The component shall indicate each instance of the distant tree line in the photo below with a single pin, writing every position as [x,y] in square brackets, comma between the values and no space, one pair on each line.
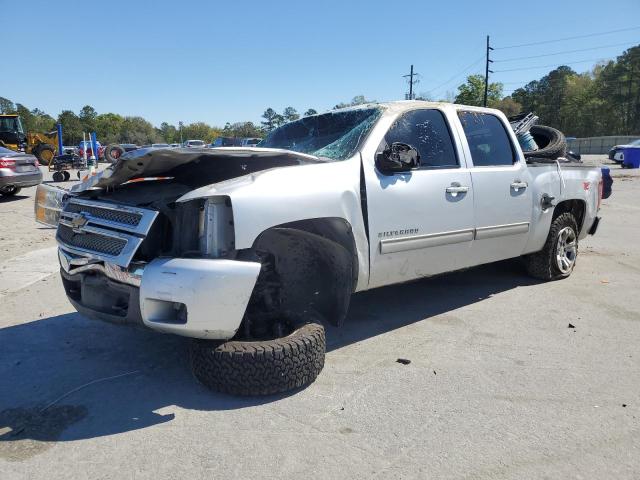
[603,101]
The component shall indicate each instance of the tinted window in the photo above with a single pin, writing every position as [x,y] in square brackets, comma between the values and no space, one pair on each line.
[488,139]
[427,131]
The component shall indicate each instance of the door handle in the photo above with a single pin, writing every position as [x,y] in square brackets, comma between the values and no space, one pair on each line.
[517,185]
[456,188]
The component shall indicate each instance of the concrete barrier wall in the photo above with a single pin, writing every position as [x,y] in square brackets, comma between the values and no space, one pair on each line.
[598,145]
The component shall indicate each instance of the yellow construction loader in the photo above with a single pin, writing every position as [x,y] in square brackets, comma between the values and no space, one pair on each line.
[13,137]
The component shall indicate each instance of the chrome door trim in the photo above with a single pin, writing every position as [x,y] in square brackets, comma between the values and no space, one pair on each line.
[415,242]
[500,230]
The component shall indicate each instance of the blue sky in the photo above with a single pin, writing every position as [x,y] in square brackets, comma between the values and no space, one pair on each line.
[228,61]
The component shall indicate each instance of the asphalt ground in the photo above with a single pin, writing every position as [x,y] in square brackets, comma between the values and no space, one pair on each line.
[498,385]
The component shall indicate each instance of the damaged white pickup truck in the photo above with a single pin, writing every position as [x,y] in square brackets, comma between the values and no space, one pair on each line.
[250,250]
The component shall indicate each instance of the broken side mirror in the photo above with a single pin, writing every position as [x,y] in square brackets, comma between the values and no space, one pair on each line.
[398,157]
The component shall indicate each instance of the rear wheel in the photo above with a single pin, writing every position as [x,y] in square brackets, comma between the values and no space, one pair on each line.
[58,177]
[10,191]
[558,257]
[66,176]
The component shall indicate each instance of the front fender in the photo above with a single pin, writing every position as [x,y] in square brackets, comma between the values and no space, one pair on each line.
[279,196]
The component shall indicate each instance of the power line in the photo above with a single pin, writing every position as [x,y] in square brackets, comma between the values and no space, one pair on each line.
[566,51]
[569,38]
[546,66]
[446,82]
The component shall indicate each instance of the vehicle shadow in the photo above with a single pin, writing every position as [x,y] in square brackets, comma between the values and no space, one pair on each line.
[13,198]
[43,360]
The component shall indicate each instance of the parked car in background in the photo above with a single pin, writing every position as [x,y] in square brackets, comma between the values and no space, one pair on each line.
[160,145]
[226,142]
[175,145]
[615,152]
[250,142]
[194,144]
[86,145]
[69,149]
[17,170]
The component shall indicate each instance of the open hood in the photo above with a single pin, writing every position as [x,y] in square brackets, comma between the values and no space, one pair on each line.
[193,166]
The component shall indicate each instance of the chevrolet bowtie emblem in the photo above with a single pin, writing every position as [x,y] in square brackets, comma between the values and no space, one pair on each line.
[78,221]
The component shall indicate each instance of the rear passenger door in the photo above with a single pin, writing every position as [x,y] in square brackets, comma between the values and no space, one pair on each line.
[501,184]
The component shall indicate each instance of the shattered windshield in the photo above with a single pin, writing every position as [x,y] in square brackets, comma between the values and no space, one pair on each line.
[334,135]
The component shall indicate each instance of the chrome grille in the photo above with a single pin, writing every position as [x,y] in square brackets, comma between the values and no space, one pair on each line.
[91,241]
[110,214]
[104,231]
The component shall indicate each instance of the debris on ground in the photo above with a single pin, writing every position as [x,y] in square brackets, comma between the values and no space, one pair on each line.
[403,361]
[571,326]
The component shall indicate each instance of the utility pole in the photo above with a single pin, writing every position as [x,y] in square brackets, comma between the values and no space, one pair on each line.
[412,82]
[180,124]
[628,122]
[486,73]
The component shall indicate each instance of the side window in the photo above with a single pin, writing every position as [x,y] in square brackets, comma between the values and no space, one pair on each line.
[427,131]
[488,140]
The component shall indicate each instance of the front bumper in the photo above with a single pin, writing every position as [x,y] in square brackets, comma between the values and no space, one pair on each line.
[200,298]
[22,180]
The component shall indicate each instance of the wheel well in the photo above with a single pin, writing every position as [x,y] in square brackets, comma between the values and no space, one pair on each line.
[314,264]
[575,207]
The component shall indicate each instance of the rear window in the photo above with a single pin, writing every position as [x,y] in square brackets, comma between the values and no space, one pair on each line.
[488,140]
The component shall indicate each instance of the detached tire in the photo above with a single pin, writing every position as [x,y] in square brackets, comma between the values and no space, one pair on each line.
[551,142]
[557,258]
[262,367]
[44,153]
[113,152]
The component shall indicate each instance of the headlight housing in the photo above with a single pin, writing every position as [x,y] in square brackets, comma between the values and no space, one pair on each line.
[49,203]
[215,227]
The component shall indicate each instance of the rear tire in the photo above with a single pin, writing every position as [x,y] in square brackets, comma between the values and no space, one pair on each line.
[58,177]
[260,367]
[557,258]
[66,176]
[10,191]
[113,152]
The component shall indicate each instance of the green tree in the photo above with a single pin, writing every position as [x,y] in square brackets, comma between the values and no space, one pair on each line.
[507,105]
[169,133]
[198,131]
[139,131]
[88,116]
[271,119]
[472,91]
[290,114]
[7,106]
[71,127]
[357,100]
[108,127]
[309,112]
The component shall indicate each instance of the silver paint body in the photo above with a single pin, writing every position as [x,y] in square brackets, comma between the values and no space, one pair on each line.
[420,223]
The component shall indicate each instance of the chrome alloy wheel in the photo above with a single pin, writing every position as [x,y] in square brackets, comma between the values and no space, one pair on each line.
[566,250]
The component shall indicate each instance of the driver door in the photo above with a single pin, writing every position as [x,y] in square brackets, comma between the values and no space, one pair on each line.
[421,222]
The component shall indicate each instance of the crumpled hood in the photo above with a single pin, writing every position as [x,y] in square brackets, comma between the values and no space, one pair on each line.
[174,162]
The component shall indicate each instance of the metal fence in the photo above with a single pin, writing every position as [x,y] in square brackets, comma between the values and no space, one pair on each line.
[598,145]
